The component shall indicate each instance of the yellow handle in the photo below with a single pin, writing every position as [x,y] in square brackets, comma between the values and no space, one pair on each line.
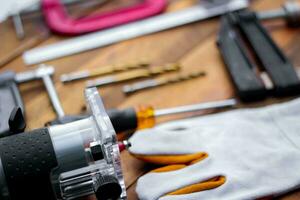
[145,117]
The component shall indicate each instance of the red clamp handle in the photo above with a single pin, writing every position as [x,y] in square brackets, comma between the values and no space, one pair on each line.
[60,22]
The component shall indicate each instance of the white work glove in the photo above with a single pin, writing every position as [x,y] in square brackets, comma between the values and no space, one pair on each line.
[251,153]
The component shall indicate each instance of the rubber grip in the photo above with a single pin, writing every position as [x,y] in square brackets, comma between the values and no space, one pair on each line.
[123,120]
[28,159]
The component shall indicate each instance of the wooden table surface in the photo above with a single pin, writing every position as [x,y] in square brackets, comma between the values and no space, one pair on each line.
[192,45]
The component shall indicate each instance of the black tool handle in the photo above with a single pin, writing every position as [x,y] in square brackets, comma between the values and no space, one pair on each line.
[123,120]
[10,98]
[248,86]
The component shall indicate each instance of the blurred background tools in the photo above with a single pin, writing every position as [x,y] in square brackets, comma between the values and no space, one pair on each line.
[79,75]
[60,22]
[206,9]
[239,29]
[29,9]
[290,12]
[11,98]
[29,12]
[139,73]
[144,116]
[152,83]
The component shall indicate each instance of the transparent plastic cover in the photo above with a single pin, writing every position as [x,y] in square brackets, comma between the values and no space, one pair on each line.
[108,138]
[88,155]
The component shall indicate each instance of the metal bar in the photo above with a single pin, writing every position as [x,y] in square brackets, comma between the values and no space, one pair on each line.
[272,14]
[17,21]
[53,96]
[132,30]
[196,107]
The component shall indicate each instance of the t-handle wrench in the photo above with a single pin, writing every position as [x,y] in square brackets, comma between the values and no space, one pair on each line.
[53,94]
[44,72]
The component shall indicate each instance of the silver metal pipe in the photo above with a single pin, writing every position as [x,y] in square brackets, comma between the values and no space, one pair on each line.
[53,96]
[44,72]
[271,14]
[17,21]
[196,107]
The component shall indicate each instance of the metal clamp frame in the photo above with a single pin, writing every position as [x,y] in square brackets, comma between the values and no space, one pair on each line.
[59,21]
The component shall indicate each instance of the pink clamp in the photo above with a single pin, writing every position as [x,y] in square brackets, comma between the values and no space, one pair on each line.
[59,21]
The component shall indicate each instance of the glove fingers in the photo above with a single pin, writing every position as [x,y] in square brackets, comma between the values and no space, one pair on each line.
[168,168]
[198,187]
[160,142]
[172,159]
[205,185]
[178,179]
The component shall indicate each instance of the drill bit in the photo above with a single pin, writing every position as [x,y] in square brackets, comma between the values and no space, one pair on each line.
[151,83]
[101,71]
[140,73]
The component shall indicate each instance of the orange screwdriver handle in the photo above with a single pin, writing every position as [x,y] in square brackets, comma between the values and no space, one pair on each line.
[145,117]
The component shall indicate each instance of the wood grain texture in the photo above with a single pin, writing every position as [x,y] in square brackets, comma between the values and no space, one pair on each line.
[192,45]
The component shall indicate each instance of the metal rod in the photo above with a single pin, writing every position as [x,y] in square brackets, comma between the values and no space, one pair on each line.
[196,107]
[272,14]
[17,21]
[53,96]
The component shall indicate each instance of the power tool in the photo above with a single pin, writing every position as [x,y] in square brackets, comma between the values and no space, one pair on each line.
[70,161]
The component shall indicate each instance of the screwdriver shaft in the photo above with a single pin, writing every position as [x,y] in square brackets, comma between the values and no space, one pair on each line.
[196,107]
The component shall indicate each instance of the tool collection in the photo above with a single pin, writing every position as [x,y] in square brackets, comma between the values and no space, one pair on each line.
[122,120]
[76,156]
[206,9]
[143,117]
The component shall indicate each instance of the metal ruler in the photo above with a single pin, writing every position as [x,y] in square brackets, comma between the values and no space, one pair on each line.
[132,30]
